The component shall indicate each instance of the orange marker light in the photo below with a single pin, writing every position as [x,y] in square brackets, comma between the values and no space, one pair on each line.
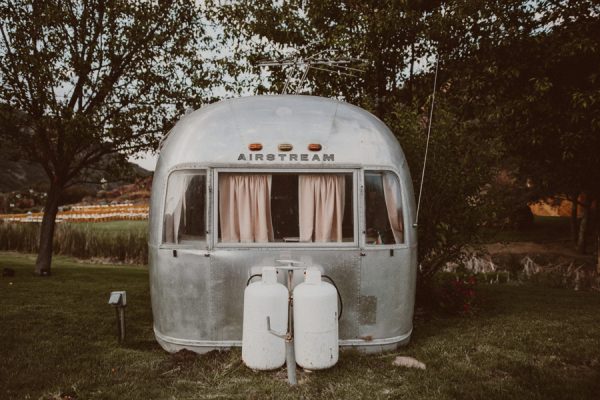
[255,146]
[314,147]
[285,147]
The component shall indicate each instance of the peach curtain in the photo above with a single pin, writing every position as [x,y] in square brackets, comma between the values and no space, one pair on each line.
[321,207]
[245,208]
[393,203]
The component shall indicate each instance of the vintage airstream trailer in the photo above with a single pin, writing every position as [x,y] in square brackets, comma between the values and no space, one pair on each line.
[242,183]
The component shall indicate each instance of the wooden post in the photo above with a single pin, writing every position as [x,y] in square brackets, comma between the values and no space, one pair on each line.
[120,311]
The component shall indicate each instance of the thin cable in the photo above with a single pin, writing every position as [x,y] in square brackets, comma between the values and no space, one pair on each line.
[252,277]
[437,59]
[335,65]
[338,293]
[332,70]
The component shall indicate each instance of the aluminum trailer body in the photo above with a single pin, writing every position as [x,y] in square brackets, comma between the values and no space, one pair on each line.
[198,273]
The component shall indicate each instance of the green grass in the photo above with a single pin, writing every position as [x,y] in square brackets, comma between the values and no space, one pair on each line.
[544,229]
[113,226]
[57,335]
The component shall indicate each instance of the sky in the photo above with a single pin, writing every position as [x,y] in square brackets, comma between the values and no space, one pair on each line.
[145,160]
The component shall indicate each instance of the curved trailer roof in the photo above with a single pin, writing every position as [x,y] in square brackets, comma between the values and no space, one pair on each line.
[218,135]
[220,132]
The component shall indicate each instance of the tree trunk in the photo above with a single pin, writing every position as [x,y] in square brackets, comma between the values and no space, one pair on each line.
[44,258]
[585,216]
[574,226]
[597,221]
[380,88]
[411,72]
[598,250]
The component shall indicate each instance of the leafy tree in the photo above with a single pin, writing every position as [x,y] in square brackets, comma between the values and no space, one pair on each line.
[519,82]
[538,88]
[386,38]
[553,106]
[461,162]
[393,40]
[80,80]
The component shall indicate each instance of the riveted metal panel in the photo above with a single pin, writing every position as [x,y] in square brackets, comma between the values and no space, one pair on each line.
[181,294]
[230,270]
[392,318]
[368,310]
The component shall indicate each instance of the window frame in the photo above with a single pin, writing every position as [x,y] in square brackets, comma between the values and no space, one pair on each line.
[198,244]
[364,244]
[285,245]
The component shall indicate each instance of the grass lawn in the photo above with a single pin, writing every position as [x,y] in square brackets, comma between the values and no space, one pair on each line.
[113,226]
[57,336]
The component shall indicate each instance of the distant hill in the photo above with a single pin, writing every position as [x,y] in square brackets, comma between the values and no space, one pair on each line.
[16,175]
[19,175]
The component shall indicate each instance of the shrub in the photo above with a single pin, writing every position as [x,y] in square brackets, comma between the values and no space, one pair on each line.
[456,293]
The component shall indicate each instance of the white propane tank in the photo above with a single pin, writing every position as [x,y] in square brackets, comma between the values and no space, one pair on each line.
[267,298]
[315,322]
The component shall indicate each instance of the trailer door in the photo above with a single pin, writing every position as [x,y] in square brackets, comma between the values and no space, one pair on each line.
[385,256]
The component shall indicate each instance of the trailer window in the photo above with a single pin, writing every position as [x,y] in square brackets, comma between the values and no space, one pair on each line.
[383,208]
[185,208]
[285,208]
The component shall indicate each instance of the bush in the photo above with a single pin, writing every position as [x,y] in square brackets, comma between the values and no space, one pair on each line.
[522,218]
[82,241]
[455,293]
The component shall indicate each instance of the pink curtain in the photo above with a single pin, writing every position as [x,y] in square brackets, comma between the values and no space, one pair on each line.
[393,203]
[245,208]
[321,207]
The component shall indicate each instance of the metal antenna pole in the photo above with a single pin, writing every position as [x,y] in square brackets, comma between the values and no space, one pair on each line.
[437,59]
[303,65]
[287,83]
[301,83]
[290,355]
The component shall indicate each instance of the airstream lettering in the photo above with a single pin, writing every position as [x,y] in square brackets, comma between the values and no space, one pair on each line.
[285,157]
[220,213]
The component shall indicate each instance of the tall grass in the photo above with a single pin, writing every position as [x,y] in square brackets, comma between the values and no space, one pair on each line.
[80,240]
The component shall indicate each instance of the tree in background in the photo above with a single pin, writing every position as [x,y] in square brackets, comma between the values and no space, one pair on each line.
[518,94]
[552,107]
[518,87]
[83,80]
[386,38]
[396,43]
[537,88]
